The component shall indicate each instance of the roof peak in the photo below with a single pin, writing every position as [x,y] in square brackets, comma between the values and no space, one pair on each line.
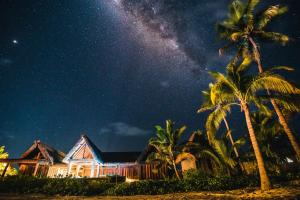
[84,139]
[38,141]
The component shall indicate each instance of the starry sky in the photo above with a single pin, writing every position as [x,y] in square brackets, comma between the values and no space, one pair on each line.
[113,69]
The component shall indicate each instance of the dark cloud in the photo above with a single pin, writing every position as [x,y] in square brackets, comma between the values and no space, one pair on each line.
[123,129]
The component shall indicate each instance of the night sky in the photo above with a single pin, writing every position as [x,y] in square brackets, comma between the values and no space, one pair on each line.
[113,69]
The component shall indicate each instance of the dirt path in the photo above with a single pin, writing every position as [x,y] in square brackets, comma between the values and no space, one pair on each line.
[289,192]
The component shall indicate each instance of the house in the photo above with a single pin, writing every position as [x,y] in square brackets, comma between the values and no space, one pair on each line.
[85,159]
[36,160]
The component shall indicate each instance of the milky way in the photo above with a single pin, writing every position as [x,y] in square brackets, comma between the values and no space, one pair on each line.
[164,32]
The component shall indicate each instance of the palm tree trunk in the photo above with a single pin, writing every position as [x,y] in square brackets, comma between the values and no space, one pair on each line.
[256,55]
[264,179]
[287,129]
[232,143]
[175,169]
[230,137]
[281,118]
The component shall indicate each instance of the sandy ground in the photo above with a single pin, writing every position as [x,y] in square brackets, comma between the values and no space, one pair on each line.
[288,192]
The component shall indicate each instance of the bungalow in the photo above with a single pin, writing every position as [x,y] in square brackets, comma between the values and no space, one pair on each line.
[86,160]
[36,160]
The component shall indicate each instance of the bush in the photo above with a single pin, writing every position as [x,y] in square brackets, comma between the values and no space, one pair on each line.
[194,181]
[51,186]
[148,187]
[116,178]
[195,174]
[21,184]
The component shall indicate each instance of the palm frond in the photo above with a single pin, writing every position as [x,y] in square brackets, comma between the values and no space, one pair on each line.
[214,120]
[288,102]
[267,15]
[236,10]
[244,65]
[286,68]
[220,147]
[274,36]
[259,103]
[273,82]
[179,132]
[237,144]
[249,13]
[221,85]
[205,153]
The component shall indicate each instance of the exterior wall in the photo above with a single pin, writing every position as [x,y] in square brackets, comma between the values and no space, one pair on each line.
[188,164]
[56,171]
[26,169]
[136,171]
[29,169]
[130,170]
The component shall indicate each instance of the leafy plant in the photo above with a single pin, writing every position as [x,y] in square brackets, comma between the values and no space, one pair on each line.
[10,170]
[167,146]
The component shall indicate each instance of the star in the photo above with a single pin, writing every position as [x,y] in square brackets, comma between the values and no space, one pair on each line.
[15,41]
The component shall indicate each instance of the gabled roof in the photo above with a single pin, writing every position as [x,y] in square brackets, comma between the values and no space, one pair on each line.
[99,156]
[49,153]
[84,140]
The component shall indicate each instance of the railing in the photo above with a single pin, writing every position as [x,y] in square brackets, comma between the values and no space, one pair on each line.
[137,171]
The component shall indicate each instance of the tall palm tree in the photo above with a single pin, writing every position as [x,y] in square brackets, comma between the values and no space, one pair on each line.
[244,28]
[167,145]
[238,87]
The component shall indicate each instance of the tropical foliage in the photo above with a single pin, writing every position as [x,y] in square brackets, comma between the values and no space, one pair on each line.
[244,25]
[213,156]
[167,146]
[239,87]
[274,144]
[243,28]
[10,170]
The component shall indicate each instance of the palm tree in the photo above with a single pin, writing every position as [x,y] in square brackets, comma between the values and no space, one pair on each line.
[215,118]
[167,146]
[238,87]
[213,123]
[244,28]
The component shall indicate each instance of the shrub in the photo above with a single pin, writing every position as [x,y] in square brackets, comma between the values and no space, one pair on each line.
[194,181]
[116,178]
[149,187]
[62,186]
[195,174]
